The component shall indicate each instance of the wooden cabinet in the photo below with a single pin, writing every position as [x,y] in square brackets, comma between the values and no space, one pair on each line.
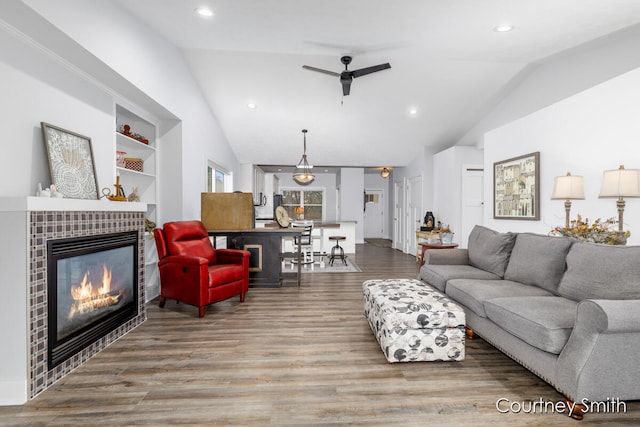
[423,237]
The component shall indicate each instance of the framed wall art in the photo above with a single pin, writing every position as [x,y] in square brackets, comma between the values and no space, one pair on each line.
[516,188]
[71,163]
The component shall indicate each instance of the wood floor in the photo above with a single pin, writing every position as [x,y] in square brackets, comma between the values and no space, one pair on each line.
[290,357]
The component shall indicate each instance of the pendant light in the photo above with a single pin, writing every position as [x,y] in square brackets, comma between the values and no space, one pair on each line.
[303,175]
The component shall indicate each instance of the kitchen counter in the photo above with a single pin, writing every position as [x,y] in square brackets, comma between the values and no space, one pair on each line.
[321,233]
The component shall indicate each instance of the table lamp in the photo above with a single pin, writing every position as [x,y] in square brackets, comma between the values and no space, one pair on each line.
[568,188]
[620,183]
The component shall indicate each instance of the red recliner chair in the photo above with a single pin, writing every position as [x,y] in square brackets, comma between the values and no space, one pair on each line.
[193,272]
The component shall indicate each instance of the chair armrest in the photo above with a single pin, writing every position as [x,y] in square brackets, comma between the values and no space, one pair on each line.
[182,259]
[456,256]
[600,357]
[231,256]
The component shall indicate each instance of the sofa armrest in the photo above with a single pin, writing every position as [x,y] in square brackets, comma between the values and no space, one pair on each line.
[612,316]
[600,357]
[456,256]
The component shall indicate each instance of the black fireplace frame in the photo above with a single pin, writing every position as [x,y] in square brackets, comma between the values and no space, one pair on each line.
[60,350]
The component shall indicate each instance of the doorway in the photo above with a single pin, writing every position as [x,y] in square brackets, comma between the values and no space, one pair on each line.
[414,211]
[398,218]
[472,200]
[374,214]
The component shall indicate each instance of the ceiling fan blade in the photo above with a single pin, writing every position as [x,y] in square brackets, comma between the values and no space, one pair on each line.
[369,70]
[320,70]
[346,88]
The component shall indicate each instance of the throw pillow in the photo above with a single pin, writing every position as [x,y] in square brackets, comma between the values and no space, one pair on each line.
[601,272]
[489,250]
[538,260]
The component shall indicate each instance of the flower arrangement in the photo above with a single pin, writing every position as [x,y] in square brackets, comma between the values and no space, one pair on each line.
[598,232]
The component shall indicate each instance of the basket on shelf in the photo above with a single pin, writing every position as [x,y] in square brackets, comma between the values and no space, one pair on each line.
[133,163]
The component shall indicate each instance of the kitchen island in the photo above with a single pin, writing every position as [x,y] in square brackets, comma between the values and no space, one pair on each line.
[266,247]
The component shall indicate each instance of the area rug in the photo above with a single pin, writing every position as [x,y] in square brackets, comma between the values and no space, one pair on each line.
[383,243]
[337,267]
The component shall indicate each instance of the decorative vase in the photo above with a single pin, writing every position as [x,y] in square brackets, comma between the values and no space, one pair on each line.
[446,238]
[429,221]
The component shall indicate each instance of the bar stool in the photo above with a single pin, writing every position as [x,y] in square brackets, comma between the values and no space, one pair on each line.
[337,251]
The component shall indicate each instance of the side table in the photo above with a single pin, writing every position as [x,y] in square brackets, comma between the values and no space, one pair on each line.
[437,245]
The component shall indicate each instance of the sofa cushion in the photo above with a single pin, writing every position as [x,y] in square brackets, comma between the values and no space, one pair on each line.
[490,250]
[601,272]
[538,260]
[438,275]
[543,322]
[473,293]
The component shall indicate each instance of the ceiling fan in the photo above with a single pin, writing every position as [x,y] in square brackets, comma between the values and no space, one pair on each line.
[347,76]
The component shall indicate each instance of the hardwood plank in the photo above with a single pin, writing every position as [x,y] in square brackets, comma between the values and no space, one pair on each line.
[289,357]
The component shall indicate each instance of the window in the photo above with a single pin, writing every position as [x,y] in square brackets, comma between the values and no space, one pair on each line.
[310,201]
[218,180]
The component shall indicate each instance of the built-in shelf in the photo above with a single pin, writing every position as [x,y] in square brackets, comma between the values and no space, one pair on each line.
[144,181]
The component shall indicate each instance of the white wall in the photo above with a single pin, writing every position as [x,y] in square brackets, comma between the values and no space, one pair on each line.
[158,69]
[351,193]
[561,76]
[585,134]
[35,89]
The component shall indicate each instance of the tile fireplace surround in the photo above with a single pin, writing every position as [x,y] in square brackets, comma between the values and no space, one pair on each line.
[26,225]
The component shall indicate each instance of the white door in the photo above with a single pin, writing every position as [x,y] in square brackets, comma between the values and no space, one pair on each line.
[398,215]
[373,214]
[414,211]
[472,200]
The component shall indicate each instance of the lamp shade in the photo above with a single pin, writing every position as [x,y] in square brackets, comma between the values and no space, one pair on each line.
[620,183]
[304,174]
[568,187]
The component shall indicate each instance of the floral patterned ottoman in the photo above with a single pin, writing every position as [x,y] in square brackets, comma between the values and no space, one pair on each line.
[413,322]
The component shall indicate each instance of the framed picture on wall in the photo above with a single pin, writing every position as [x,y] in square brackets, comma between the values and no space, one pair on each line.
[71,163]
[516,188]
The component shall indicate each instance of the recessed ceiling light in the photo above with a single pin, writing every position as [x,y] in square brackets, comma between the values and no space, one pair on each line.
[204,11]
[252,106]
[503,28]
[413,111]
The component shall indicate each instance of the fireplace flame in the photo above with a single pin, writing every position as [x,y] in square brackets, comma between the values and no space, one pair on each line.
[87,299]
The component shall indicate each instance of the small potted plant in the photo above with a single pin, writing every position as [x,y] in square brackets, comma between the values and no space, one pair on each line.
[446,235]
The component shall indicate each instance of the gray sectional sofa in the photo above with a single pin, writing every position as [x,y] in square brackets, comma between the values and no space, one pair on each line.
[566,310]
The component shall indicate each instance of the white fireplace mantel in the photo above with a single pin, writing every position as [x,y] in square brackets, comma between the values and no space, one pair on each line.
[32,203]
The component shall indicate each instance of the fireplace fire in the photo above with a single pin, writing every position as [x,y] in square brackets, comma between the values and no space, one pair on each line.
[87,299]
[92,288]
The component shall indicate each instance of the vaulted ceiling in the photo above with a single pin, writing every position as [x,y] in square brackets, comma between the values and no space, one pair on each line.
[448,64]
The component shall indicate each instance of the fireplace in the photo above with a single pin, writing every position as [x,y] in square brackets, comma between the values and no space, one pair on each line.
[92,285]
